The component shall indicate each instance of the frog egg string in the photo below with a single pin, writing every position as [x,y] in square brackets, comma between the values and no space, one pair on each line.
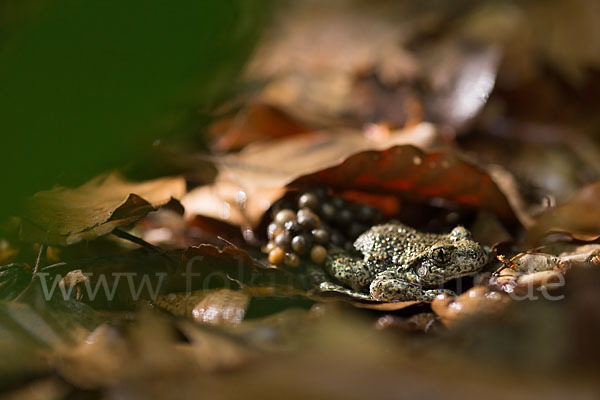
[317,220]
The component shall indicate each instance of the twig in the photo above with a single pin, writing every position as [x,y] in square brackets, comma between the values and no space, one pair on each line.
[60,264]
[38,261]
[137,240]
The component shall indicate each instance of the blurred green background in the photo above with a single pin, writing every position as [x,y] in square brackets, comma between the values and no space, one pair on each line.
[89,86]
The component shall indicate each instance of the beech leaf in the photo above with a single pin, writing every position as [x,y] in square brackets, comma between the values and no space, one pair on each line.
[579,217]
[63,216]
[249,182]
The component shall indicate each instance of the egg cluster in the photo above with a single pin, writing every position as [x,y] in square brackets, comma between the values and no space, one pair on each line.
[318,221]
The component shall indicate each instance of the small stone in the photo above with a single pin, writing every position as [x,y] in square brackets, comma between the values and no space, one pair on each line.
[291,260]
[318,254]
[284,216]
[276,256]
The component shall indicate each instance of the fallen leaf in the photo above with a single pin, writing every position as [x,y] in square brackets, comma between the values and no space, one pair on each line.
[314,49]
[208,267]
[277,162]
[51,388]
[213,307]
[63,216]
[579,217]
[528,271]
[422,322]
[148,349]
[97,360]
[113,282]
[31,330]
[488,231]
[253,123]
[13,279]
[119,282]
[7,252]
[576,35]
[582,256]
[390,306]
[248,183]
[460,79]
[212,231]
[399,105]
[315,74]
[213,351]
[409,172]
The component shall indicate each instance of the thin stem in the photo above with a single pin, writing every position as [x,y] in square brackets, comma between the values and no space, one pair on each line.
[38,260]
[137,240]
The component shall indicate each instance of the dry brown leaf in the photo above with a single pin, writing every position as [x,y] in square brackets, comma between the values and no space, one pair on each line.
[337,35]
[255,122]
[579,217]
[63,216]
[122,281]
[214,307]
[572,46]
[96,361]
[390,306]
[546,158]
[250,181]
[317,55]
[460,80]
[333,293]
[424,322]
[51,388]
[213,351]
[275,163]
[314,49]
[208,267]
[408,172]
[14,278]
[148,349]
[528,271]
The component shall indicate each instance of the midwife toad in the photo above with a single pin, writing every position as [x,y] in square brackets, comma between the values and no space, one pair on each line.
[400,263]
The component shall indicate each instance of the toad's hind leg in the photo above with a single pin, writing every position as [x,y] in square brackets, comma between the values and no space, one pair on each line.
[348,270]
[386,287]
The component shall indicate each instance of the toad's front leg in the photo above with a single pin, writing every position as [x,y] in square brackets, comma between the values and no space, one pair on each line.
[348,270]
[388,287]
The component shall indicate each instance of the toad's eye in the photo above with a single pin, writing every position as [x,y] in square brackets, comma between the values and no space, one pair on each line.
[441,255]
